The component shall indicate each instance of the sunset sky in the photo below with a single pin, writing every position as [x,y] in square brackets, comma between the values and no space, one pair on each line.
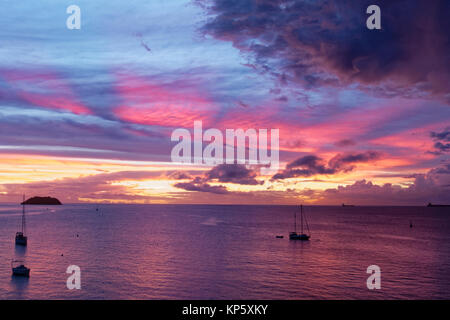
[87,115]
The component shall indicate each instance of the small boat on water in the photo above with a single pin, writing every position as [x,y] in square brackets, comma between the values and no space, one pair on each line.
[299,236]
[348,205]
[21,238]
[19,269]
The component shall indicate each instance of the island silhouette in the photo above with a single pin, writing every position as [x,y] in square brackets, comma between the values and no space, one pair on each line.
[42,201]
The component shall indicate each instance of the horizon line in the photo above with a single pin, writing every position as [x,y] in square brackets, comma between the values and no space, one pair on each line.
[229,204]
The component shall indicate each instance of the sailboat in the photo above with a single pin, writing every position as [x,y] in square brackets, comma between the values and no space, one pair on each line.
[19,269]
[299,236]
[21,239]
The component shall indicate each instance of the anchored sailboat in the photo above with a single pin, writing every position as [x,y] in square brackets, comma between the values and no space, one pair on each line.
[299,236]
[21,239]
[19,269]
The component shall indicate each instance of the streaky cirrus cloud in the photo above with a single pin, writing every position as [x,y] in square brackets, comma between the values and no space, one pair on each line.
[103,187]
[69,190]
[148,102]
[43,88]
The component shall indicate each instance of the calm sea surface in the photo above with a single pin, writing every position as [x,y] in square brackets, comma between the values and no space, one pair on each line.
[226,252]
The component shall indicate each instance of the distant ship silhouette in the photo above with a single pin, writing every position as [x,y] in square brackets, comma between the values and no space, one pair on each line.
[348,205]
[437,205]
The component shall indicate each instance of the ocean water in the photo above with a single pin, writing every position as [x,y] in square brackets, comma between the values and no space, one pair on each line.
[226,252]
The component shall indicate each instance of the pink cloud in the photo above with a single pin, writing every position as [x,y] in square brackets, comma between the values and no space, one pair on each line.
[45,89]
[148,103]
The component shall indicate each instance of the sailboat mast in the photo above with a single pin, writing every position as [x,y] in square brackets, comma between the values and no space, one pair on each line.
[301,216]
[23,215]
[295,221]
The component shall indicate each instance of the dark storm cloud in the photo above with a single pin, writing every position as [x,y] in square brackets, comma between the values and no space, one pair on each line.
[445,169]
[345,143]
[233,173]
[179,175]
[312,165]
[327,42]
[225,173]
[444,135]
[199,185]
[341,160]
[442,147]
[442,140]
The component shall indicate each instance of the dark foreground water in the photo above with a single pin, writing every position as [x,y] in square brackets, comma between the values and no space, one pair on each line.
[226,252]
